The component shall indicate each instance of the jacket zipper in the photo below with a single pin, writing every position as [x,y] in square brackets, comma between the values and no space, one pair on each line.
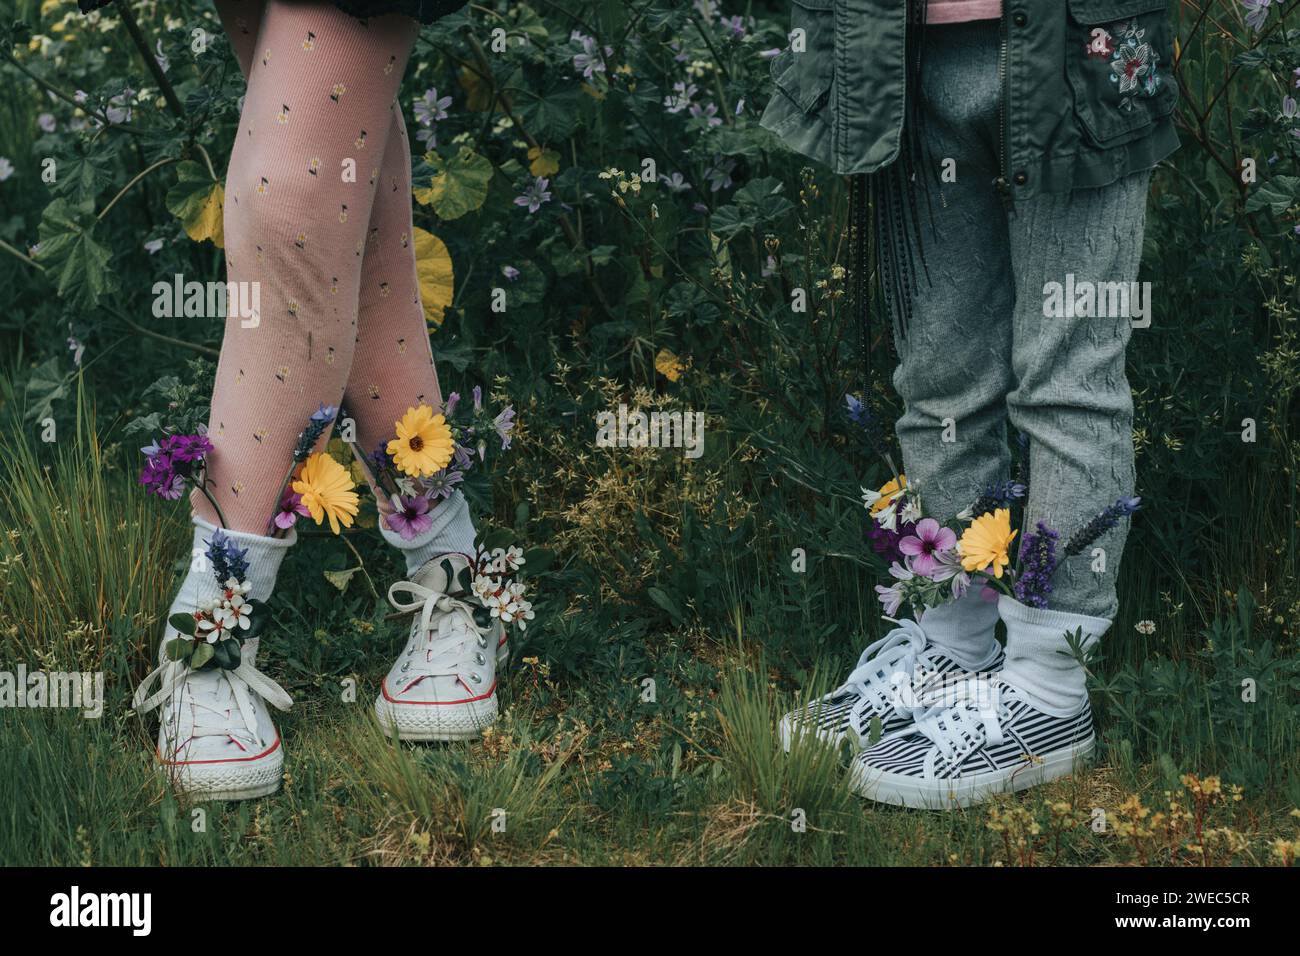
[1003,182]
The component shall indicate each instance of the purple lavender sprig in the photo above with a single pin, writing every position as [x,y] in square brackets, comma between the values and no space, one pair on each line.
[1037,564]
[227,560]
[1105,520]
[1000,494]
[873,429]
[316,425]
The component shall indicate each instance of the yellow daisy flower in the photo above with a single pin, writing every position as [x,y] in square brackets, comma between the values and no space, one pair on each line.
[326,490]
[986,542]
[423,444]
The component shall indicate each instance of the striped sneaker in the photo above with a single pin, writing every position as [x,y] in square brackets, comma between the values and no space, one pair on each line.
[989,741]
[894,678]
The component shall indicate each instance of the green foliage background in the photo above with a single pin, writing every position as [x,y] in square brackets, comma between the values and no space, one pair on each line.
[665,567]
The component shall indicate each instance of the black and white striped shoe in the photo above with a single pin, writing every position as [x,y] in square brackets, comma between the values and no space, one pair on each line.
[896,676]
[989,741]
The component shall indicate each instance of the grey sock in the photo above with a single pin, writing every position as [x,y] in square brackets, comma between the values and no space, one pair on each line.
[452,531]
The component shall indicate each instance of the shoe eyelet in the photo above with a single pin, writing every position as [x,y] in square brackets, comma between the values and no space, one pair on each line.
[482,641]
[480,659]
[406,667]
[475,678]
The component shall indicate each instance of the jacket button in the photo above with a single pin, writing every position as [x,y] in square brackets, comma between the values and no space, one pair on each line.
[1020,18]
[1020,178]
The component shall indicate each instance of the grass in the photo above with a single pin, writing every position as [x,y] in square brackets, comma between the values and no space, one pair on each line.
[590,764]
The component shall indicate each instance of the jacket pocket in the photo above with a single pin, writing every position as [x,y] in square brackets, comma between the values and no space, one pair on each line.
[1119,59]
[804,71]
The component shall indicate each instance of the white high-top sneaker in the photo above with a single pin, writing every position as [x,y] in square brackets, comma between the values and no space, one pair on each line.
[216,739]
[443,686]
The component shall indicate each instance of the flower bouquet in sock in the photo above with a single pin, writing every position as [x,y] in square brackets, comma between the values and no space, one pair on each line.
[433,455]
[932,563]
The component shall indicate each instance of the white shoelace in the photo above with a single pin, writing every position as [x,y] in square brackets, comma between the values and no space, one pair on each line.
[973,720]
[875,680]
[205,695]
[452,641]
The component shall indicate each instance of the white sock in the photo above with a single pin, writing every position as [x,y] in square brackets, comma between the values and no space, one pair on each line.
[262,554]
[1040,665]
[451,531]
[963,629]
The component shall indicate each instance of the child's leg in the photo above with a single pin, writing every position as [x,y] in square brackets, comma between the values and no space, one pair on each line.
[320,84]
[1073,400]
[319,96]
[954,367]
[393,368]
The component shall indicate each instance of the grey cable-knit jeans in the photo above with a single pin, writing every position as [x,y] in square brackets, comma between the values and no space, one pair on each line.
[979,350]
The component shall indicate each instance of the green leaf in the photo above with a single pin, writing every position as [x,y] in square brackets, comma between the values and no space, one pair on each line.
[177,649]
[226,653]
[660,597]
[202,654]
[197,200]
[1278,195]
[537,560]
[184,623]
[340,579]
[74,261]
[456,186]
[47,384]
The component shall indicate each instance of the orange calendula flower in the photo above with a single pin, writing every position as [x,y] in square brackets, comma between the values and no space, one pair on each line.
[888,491]
[326,491]
[986,542]
[423,445]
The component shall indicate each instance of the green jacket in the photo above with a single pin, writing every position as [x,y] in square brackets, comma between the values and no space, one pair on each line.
[1088,92]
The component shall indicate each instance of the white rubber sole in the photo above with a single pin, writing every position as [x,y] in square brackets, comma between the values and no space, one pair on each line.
[440,722]
[227,780]
[906,791]
[430,722]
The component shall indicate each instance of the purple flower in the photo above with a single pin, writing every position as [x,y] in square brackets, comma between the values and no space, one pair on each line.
[510,272]
[159,478]
[948,568]
[169,461]
[1105,520]
[592,59]
[48,124]
[1037,563]
[930,539]
[735,26]
[681,97]
[477,392]
[291,507]
[429,109]
[410,517]
[1256,13]
[227,560]
[708,112]
[186,449]
[534,195]
[450,406]
[892,597]
[719,176]
[885,542]
[443,483]
[316,425]
[504,423]
[676,183]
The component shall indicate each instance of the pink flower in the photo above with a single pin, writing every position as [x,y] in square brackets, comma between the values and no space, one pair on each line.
[410,517]
[930,539]
[291,507]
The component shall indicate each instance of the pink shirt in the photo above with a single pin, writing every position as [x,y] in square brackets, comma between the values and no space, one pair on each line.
[959,11]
